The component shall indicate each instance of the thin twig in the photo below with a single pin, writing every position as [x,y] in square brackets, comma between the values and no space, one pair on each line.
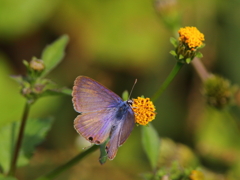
[19,140]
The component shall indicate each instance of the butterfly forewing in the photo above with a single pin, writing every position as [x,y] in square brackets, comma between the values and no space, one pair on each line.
[89,95]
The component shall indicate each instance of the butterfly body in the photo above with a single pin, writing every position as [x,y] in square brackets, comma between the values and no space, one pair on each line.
[121,110]
[103,114]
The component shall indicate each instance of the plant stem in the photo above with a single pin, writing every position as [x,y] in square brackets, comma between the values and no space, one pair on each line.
[200,68]
[169,79]
[19,140]
[67,165]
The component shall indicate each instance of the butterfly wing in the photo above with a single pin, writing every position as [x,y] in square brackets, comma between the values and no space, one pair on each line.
[97,106]
[89,95]
[95,126]
[119,135]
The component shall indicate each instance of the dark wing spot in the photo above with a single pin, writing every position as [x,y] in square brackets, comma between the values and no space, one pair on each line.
[97,142]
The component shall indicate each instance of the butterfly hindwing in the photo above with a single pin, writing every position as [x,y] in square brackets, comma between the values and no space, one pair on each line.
[120,133]
[127,127]
[95,126]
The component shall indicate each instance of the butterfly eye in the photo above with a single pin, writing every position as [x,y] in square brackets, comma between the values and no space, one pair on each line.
[130,102]
[90,138]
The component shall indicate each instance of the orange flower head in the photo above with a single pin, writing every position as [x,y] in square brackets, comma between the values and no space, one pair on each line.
[191,36]
[144,110]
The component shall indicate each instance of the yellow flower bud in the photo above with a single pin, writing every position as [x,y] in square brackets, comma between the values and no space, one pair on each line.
[37,65]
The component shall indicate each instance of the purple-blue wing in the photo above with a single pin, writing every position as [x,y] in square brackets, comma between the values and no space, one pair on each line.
[120,134]
[95,126]
[89,96]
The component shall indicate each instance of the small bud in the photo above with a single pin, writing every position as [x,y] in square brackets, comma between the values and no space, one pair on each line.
[38,89]
[26,91]
[37,65]
[219,92]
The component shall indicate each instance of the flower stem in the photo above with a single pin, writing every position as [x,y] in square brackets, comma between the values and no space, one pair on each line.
[67,165]
[19,140]
[169,79]
[200,68]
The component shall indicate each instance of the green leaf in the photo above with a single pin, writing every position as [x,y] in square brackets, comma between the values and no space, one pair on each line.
[174,42]
[2,177]
[181,56]
[188,60]
[172,52]
[66,91]
[103,153]
[125,95]
[36,130]
[199,55]
[151,144]
[202,46]
[26,64]
[53,54]
[57,92]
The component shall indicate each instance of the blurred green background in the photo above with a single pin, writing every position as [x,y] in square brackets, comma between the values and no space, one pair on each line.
[116,42]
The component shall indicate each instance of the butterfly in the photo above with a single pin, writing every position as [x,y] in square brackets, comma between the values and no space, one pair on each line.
[103,114]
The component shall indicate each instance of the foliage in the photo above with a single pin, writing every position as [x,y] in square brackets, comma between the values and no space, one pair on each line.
[115,42]
[18,142]
[151,144]
[35,132]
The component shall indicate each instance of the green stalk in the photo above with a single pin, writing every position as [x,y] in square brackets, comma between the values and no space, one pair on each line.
[19,140]
[67,165]
[169,79]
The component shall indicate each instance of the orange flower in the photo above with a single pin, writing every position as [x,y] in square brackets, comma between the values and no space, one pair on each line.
[191,36]
[144,110]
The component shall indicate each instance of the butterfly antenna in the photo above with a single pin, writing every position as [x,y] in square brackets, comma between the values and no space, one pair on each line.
[132,88]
